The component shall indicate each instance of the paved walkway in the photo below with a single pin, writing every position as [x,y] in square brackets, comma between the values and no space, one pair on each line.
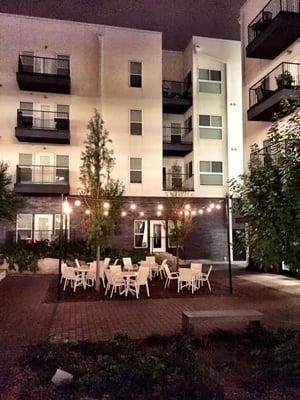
[26,318]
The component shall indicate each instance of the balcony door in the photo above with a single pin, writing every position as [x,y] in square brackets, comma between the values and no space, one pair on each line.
[175,133]
[176,177]
[157,236]
[45,64]
[43,227]
[44,170]
[42,117]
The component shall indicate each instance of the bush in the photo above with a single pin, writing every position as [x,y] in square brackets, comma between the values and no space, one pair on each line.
[171,260]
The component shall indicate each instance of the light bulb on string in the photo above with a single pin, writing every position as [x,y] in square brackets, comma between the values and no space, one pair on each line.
[105,213]
[218,207]
[123,214]
[77,203]
[200,211]
[160,207]
[212,205]
[142,214]
[87,212]
[132,206]
[194,212]
[158,213]
[187,206]
[106,205]
[208,209]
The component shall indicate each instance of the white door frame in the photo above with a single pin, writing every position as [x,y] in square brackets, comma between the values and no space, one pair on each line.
[162,248]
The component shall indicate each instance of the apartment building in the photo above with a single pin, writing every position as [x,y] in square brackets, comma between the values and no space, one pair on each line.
[175,120]
[270,32]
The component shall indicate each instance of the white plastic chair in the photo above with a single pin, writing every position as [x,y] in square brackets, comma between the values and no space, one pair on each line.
[63,269]
[153,265]
[77,263]
[91,274]
[127,263]
[115,269]
[161,269]
[113,282]
[186,279]
[71,276]
[197,271]
[116,261]
[205,278]
[140,280]
[171,276]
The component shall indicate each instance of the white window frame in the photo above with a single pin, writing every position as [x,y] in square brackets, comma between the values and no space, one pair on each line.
[136,170]
[141,74]
[210,126]
[209,80]
[136,122]
[211,172]
[23,229]
[140,234]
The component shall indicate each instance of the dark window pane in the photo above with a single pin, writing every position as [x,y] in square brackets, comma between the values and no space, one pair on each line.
[135,128]
[204,74]
[204,120]
[215,75]
[216,166]
[135,80]
[135,176]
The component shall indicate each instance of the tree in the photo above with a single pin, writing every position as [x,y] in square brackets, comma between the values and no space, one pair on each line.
[268,195]
[102,194]
[10,202]
[179,219]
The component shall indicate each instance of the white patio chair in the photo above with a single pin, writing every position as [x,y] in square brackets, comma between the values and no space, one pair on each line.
[115,269]
[71,276]
[186,279]
[161,269]
[140,280]
[63,269]
[127,263]
[153,265]
[91,274]
[77,263]
[197,271]
[116,261]
[171,276]
[205,278]
[113,283]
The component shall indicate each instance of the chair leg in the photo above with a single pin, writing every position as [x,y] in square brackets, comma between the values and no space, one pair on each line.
[112,291]
[208,284]
[147,288]
[107,289]
[65,285]
[166,283]
[178,285]
[75,284]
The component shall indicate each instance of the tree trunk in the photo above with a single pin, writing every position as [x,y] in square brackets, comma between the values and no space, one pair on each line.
[177,257]
[97,285]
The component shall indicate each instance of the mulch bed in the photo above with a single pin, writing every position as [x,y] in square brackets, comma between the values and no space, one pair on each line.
[156,289]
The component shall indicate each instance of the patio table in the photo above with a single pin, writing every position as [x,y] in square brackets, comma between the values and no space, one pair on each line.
[127,275]
[82,271]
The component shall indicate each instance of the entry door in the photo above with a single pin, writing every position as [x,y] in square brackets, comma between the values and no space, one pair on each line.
[43,227]
[157,236]
[44,171]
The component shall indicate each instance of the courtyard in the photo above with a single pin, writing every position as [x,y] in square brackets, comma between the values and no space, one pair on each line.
[28,315]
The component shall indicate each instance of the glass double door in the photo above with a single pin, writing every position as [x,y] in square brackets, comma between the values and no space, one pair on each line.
[157,236]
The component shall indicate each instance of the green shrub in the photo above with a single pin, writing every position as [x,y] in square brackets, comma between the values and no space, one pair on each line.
[287,358]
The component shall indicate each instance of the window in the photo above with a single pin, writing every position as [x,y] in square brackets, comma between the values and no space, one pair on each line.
[209,81]
[135,74]
[27,61]
[211,173]
[136,122]
[188,169]
[63,64]
[210,126]
[135,170]
[140,233]
[172,233]
[24,227]
[62,161]
[63,111]
[25,159]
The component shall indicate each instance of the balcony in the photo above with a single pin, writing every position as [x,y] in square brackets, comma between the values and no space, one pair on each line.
[274,29]
[42,179]
[265,97]
[177,141]
[43,127]
[42,74]
[178,182]
[177,97]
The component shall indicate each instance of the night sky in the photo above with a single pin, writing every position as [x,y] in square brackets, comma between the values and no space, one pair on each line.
[177,19]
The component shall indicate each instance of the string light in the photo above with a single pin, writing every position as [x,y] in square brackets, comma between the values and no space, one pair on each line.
[142,214]
[186,213]
[87,212]
[218,206]
[77,203]
[123,213]
[105,213]
[194,212]
[180,212]
[200,211]
[66,207]
[106,205]
[208,209]
[133,207]
[187,206]
[160,207]
[212,205]
[158,213]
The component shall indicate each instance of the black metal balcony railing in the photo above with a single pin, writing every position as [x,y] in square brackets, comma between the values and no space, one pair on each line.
[176,135]
[284,76]
[44,65]
[49,120]
[268,14]
[271,152]
[176,89]
[42,174]
[180,182]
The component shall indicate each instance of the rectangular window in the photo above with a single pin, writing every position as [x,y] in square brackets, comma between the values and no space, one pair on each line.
[25,159]
[27,61]
[171,234]
[140,234]
[63,64]
[62,161]
[136,127]
[188,168]
[209,81]
[63,111]
[135,74]
[135,170]
[211,173]
[210,127]
[24,227]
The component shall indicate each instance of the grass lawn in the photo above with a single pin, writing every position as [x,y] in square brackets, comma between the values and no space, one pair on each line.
[255,364]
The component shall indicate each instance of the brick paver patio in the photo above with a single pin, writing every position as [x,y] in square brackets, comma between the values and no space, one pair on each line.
[27,318]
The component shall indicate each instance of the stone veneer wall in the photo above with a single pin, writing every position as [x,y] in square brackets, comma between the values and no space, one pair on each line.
[208,239]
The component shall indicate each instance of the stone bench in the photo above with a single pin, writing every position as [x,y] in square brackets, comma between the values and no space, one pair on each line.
[206,317]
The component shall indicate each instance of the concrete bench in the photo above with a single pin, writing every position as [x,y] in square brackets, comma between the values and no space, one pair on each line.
[190,317]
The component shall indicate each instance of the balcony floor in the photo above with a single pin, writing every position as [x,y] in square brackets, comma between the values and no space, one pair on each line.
[42,135]
[42,188]
[44,83]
